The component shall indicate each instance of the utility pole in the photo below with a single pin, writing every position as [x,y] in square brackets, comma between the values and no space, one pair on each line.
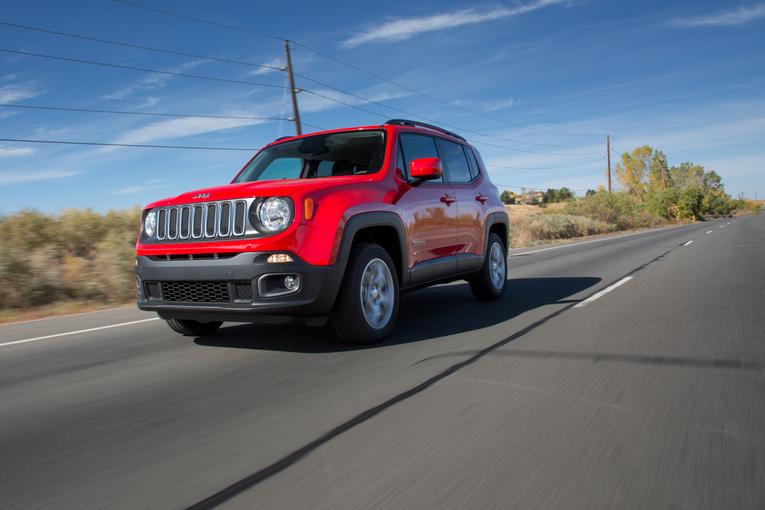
[608,157]
[293,91]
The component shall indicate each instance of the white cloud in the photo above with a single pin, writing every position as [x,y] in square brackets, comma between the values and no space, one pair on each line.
[739,16]
[178,128]
[405,28]
[48,131]
[154,81]
[150,185]
[42,175]
[491,105]
[274,62]
[148,102]
[16,152]
[19,91]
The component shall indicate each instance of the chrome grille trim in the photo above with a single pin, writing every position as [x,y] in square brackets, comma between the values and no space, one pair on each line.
[162,224]
[221,219]
[240,218]
[172,223]
[224,219]
[197,218]
[184,222]
[211,219]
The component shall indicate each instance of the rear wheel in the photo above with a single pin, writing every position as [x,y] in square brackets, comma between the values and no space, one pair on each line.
[193,328]
[367,305]
[490,283]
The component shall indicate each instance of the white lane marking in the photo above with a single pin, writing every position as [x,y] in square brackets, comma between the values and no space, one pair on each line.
[69,333]
[689,242]
[722,226]
[603,292]
[709,231]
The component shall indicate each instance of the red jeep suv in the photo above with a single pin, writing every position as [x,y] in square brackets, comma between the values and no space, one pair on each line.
[332,225]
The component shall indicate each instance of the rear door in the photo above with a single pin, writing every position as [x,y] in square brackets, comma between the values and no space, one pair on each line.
[462,175]
[431,213]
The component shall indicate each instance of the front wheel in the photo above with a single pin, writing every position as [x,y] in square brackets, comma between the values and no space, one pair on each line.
[367,305]
[490,283]
[193,328]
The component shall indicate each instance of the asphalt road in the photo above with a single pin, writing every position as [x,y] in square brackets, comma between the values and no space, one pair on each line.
[650,395]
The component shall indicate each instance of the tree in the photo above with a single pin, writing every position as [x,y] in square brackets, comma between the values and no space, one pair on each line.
[689,204]
[632,169]
[590,192]
[553,195]
[713,181]
[658,173]
[687,174]
[507,197]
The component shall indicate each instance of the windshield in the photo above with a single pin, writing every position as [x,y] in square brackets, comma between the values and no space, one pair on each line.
[329,155]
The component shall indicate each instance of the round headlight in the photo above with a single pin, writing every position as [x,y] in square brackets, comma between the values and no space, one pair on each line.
[275,214]
[150,223]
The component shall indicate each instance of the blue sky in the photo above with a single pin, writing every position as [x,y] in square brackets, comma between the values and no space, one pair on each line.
[552,76]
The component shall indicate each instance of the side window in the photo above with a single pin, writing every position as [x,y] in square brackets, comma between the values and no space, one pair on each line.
[479,159]
[400,163]
[417,146]
[472,163]
[453,158]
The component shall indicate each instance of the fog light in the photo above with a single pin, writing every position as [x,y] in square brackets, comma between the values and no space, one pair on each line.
[291,282]
[278,258]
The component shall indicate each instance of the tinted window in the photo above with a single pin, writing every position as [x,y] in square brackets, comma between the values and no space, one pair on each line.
[478,158]
[400,163]
[472,163]
[333,154]
[416,147]
[453,157]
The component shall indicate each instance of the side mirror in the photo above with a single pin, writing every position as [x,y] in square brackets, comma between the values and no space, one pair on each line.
[425,169]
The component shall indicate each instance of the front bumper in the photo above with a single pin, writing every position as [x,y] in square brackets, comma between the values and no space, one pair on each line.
[240,274]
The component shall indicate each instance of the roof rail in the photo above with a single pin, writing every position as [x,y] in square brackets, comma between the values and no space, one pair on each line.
[405,122]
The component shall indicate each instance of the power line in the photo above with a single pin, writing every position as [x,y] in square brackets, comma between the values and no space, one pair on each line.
[302,76]
[139,145]
[243,82]
[142,69]
[128,112]
[537,168]
[352,66]
[136,46]
[151,114]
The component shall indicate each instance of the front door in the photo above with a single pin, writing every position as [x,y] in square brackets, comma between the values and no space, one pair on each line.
[431,213]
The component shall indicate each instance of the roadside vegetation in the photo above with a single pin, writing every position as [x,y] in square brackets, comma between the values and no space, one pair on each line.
[651,194]
[78,256]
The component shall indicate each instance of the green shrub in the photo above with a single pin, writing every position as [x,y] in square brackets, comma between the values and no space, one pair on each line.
[618,208]
[79,254]
[689,204]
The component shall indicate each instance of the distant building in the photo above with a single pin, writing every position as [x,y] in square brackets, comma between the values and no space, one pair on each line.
[531,197]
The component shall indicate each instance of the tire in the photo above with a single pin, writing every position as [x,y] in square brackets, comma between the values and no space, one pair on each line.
[364,314]
[193,328]
[489,284]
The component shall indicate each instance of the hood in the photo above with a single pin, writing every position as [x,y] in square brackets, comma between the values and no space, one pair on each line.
[283,187]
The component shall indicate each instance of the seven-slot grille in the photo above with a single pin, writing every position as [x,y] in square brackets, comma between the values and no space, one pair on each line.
[225,218]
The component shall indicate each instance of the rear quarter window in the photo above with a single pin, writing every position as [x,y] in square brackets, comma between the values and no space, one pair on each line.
[453,157]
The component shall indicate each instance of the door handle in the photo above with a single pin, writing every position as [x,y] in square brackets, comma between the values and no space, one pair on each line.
[481,198]
[448,200]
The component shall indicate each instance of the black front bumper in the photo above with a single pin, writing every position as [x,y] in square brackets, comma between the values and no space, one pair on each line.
[314,298]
